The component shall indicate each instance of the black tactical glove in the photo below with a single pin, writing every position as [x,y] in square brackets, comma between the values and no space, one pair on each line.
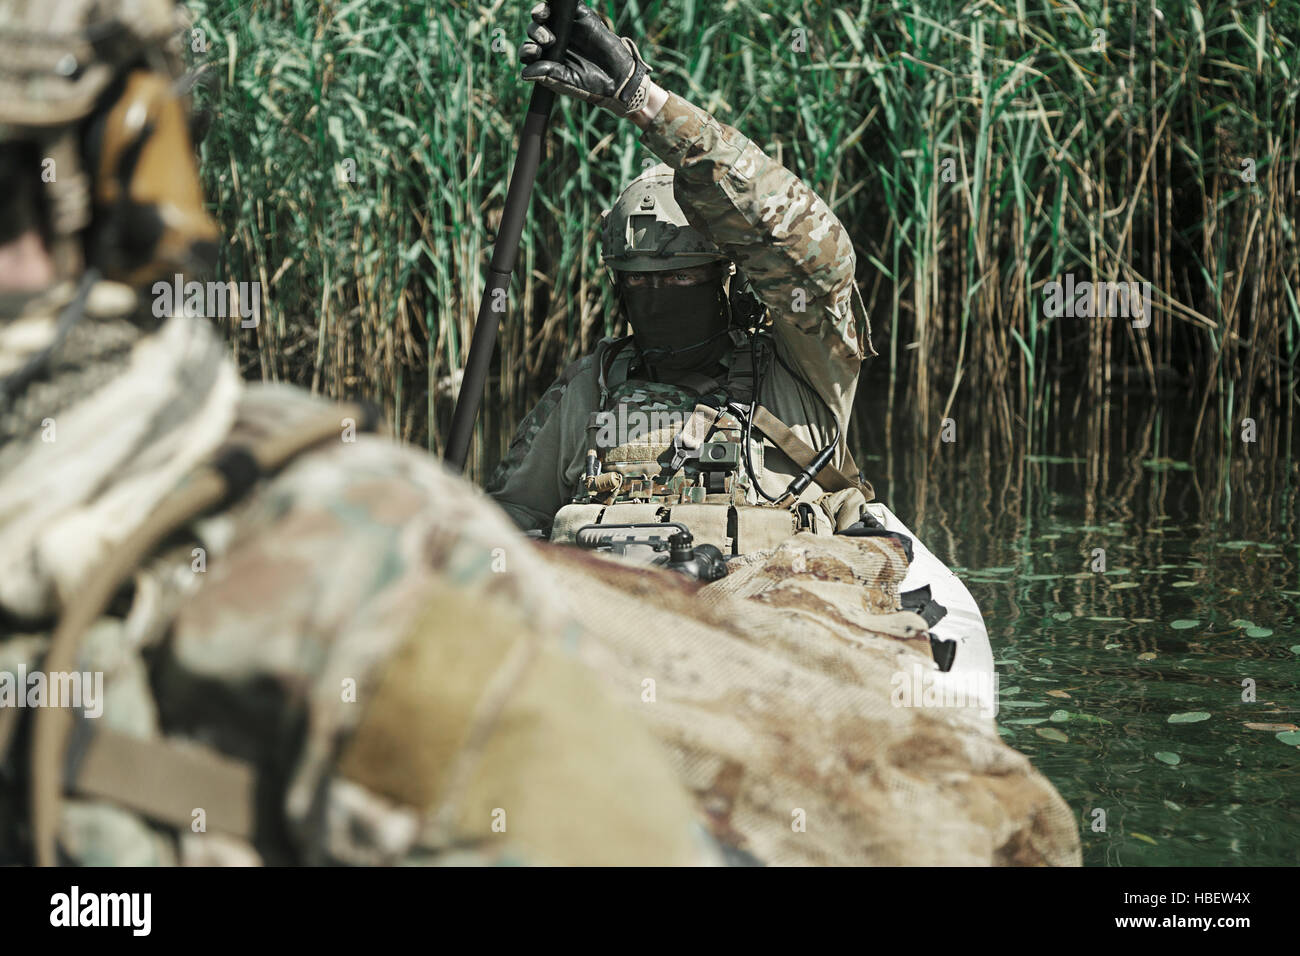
[599,66]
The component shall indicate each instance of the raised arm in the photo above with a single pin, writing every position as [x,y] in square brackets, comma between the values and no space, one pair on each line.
[791,246]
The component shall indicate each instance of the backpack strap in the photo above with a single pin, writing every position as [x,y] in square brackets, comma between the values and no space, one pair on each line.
[231,473]
[607,377]
[802,454]
[164,780]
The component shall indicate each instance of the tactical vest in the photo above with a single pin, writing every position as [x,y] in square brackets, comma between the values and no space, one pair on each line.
[162,778]
[677,452]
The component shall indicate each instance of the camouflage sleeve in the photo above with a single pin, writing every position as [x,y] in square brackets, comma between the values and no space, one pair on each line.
[531,484]
[794,250]
[416,692]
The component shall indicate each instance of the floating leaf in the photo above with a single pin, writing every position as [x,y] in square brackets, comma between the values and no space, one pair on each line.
[1058,693]
[1029,721]
[1144,838]
[1164,756]
[1021,703]
[1171,805]
[1122,585]
[1191,717]
[1259,632]
[1088,719]
[1063,615]
[1239,622]
[1275,728]
[1295,648]
[1059,716]
[1184,624]
[1291,737]
[1184,584]
[1147,656]
[1051,733]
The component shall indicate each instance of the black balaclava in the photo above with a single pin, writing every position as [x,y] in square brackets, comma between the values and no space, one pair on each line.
[679,328]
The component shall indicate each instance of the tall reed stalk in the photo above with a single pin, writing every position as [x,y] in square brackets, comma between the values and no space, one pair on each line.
[975,150]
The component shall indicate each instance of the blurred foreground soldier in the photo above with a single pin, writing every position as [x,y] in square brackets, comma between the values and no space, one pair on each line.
[233,628]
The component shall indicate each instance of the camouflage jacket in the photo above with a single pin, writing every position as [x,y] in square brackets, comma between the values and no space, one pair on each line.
[799,261]
[369,636]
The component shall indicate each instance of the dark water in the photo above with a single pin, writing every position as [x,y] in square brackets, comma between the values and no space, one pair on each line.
[1129,688]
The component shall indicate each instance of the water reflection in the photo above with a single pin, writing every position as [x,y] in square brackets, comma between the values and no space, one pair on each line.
[1129,576]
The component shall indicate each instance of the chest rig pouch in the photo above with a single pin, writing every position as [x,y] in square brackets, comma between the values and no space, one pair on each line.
[675,452]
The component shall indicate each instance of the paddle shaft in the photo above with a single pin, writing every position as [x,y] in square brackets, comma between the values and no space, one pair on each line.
[506,250]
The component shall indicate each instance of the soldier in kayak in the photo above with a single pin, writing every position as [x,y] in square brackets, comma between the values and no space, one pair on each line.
[727,407]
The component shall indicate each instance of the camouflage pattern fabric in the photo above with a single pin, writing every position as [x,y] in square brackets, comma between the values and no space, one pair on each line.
[800,262]
[362,632]
[776,691]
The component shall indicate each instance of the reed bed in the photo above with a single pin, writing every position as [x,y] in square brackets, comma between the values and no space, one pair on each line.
[976,151]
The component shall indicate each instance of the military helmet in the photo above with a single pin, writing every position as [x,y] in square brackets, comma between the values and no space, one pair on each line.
[647,231]
[88,95]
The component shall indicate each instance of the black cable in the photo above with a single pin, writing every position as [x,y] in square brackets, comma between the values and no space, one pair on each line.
[749,417]
[805,477]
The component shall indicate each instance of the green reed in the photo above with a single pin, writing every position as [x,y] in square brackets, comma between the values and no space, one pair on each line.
[975,151]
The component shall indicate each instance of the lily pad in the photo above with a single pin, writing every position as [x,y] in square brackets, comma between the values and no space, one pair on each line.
[1059,716]
[1291,737]
[1295,648]
[1164,756]
[1259,632]
[1275,728]
[1191,717]
[1051,733]
[1063,615]
[1184,624]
